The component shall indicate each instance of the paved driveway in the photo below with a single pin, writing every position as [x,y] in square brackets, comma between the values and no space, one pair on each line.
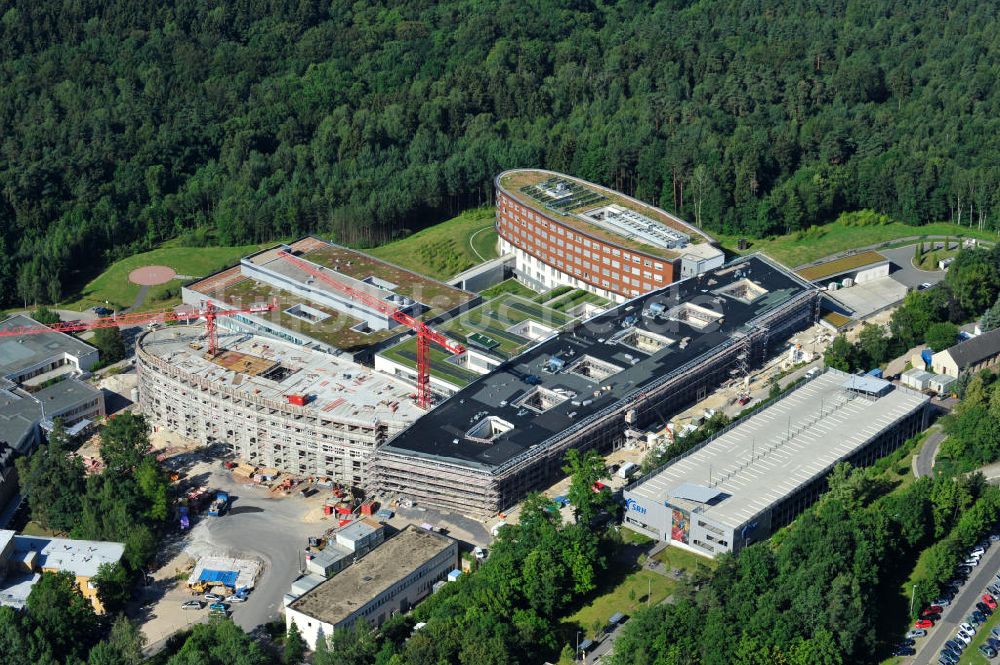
[903,270]
[924,463]
[930,646]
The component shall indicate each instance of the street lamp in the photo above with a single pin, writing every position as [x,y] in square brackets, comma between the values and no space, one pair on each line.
[576,654]
[913,594]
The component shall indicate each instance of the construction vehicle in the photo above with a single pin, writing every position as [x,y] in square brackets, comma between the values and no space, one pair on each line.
[208,311]
[219,504]
[425,334]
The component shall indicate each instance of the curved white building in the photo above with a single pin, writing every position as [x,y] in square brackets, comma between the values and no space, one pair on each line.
[273,403]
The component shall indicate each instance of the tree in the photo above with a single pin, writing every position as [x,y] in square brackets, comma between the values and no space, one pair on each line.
[586,469]
[125,442]
[113,586]
[123,647]
[294,646]
[873,344]
[45,316]
[941,336]
[991,319]
[219,642]
[53,482]
[110,344]
[62,615]
[839,354]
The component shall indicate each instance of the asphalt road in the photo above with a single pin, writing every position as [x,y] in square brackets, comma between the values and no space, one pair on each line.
[930,646]
[925,458]
[259,526]
[904,272]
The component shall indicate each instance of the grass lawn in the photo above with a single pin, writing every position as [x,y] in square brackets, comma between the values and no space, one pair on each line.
[622,594]
[33,528]
[446,249]
[508,286]
[929,261]
[113,286]
[796,249]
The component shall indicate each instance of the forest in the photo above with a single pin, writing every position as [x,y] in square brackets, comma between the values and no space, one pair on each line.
[130,122]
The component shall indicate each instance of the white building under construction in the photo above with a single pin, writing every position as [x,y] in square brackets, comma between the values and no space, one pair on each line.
[275,404]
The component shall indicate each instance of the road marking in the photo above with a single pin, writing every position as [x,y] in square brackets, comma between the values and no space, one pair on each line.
[473,237]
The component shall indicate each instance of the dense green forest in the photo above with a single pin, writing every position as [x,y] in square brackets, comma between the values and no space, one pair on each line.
[127,122]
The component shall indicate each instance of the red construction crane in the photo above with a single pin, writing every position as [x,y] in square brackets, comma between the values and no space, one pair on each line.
[425,334]
[208,311]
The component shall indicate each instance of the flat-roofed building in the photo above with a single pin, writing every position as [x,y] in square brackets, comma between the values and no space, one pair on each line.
[41,356]
[593,386]
[273,403]
[314,314]
[392,578]
[567,231]
[24,414]
[24,558]
[758,474]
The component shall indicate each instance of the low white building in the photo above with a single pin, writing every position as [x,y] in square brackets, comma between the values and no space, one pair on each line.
[391,579]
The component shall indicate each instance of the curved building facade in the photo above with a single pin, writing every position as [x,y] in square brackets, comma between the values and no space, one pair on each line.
[567,231]
[273,403]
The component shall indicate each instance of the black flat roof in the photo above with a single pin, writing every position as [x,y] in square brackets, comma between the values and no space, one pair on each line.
[758,284]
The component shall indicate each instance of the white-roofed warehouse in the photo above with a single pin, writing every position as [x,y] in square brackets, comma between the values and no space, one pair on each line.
[758,474]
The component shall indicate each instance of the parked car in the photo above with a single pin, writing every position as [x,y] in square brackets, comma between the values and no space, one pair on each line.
[993,642]
[967,627]
[925,285]
[994,537]
[942,601]
[218,607]
[915,633]
[906,643]
[993,589]
[192,605]
[947,658]
[984,608]
[933,608]
[987,651]
[964,636]
[954,645]
[995,632]
[990,601]
[237,599]
[924,623]
[904,651]
[214,597]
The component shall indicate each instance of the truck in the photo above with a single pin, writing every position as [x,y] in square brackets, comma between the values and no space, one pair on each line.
[219,504]
[628,470]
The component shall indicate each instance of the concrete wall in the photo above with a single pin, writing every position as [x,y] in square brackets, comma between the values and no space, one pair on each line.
[869,274]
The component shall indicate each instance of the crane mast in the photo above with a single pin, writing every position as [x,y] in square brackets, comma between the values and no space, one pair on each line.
[425,334]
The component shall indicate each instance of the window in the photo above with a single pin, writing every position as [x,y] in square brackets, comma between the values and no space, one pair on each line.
[616,252]
[658,266]
[616,264]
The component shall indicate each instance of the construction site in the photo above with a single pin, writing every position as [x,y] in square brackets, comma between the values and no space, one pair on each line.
[272,403]
[329,298]
[597,385]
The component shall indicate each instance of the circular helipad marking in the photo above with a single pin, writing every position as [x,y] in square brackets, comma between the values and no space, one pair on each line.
[151,275]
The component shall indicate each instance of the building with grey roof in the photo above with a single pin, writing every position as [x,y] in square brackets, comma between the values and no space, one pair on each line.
[392,578]
[593,386]
[23,414]
[972,355]
[758,474]
[24,558]
[42,355]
